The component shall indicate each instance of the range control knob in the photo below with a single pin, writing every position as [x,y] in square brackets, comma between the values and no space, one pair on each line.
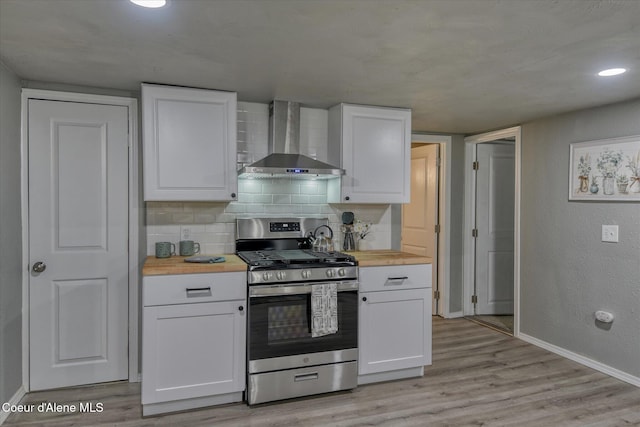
[306,274]
[267,276]
[331,273]
[281,275]
[342,272]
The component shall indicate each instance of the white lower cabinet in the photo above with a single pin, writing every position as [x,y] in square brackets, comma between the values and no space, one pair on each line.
[394,336]
[193,353]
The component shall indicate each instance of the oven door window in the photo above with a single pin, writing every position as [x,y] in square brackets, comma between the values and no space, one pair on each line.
[280,326]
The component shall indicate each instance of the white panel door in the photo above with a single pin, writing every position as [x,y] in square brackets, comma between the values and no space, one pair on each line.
[376,154]
[419,215]
[78,228]
[495,192]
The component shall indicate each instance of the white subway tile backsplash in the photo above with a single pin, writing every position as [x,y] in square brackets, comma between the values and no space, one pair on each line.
[250,186]
[278,209]
[318,199]
[255,208]
[204,217]
[226,217]
[299,199]
[183,218]
[216,248]
[244,197]
[220,227]
[213,224]
[281,199]
[263,198]
[235,207]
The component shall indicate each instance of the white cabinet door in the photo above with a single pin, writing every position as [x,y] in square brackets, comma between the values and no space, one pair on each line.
[375,150]
[189,140]
[395,330]
[193,350]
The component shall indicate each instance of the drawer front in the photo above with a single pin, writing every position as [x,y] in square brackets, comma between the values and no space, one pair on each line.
[388,278]
[193,288]
[290,383]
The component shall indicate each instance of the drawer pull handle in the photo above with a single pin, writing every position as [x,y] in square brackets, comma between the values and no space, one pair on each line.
[306,377]
[198,292]
[396,280]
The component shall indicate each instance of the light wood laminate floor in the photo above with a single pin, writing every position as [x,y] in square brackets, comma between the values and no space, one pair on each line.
[479,377]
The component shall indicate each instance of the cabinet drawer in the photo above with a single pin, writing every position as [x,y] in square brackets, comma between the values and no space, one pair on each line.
[193,288]
[389,278]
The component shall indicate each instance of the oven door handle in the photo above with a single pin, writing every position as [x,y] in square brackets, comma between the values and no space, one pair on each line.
[279,290]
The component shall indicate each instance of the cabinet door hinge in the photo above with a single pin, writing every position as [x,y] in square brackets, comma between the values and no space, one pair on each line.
[436,294]
[437,227]
[438,161]
[474,299]
[476,166]
[474,232]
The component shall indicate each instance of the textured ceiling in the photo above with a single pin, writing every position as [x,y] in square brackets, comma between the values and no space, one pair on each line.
[463,66]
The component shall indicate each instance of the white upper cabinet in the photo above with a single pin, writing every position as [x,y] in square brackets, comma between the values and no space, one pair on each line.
[189,140]
[373,145]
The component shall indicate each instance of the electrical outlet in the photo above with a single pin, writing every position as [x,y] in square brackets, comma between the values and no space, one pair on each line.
[186,233]
[610,233]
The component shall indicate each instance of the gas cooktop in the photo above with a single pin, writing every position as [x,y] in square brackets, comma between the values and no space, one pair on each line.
[295,258]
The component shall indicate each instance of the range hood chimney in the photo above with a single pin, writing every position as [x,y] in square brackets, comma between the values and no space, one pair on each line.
[284,159]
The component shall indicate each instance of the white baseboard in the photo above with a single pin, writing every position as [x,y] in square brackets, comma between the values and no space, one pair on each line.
[453,315]
[15,399]
[598,366]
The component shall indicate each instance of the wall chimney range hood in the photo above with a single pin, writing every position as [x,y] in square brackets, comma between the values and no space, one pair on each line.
[285,160]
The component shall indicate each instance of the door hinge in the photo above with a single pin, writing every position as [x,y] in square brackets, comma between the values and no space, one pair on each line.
[476,166]
[438,161]
[437,228]
[436,294]
[474,299]
[474,232]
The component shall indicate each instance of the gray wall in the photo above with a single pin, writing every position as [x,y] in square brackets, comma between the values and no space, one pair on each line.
[567,273]
[456,250]
[10,237]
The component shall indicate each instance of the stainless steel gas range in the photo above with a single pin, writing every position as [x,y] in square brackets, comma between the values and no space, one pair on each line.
[287,356]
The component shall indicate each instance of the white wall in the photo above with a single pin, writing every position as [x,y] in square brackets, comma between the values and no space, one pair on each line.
[567,273]
[10,236]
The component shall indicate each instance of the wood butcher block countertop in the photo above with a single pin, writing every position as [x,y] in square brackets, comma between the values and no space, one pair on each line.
[175,265]
[388,257]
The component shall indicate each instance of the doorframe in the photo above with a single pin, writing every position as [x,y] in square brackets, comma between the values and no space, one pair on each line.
[469,218]
[133,206]
[444,215]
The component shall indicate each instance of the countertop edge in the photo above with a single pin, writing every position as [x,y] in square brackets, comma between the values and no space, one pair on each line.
[175,265]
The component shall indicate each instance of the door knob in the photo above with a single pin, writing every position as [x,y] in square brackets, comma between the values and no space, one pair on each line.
[39,267]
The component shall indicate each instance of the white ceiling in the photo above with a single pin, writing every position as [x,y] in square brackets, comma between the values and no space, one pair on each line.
[463,66]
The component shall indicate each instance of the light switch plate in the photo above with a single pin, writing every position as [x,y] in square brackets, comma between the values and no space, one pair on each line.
[610,233]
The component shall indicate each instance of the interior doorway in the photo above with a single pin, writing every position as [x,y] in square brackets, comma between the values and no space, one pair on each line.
[442,206]
[492,221]
[420,216]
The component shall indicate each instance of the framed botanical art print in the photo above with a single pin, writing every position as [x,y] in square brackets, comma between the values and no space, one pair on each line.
[607,169]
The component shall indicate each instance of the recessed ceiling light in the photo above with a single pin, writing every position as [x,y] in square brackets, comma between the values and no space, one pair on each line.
[149,3]
[611,72]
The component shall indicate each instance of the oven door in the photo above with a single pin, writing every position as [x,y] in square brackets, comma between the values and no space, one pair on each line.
[280,321]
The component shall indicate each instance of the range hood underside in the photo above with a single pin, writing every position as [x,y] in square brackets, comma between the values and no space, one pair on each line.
[278,165]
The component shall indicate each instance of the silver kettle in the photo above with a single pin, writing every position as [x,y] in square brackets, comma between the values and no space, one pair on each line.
[320,242]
